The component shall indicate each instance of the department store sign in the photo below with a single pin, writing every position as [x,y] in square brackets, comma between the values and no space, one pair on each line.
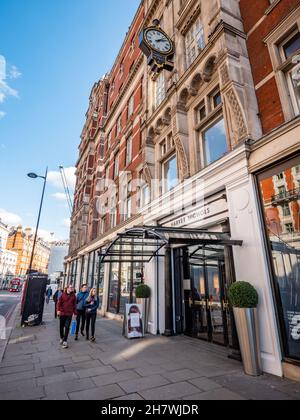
[200,214]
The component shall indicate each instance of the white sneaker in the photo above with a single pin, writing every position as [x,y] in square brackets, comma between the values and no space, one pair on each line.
[61,342]
[65,345]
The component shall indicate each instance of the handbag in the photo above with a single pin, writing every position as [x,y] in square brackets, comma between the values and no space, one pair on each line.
[73,327]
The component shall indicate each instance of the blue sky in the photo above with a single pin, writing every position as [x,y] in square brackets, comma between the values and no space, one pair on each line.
[51,53]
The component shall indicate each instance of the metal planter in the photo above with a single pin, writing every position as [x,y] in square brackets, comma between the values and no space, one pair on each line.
[145,304]
[248,333]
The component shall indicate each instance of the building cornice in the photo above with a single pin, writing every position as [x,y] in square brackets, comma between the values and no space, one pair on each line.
[273,136]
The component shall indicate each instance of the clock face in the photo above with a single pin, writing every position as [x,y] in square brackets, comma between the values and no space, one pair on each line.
[158,41]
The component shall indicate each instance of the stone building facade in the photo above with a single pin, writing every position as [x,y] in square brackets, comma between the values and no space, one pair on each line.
[8,259]
[180,148]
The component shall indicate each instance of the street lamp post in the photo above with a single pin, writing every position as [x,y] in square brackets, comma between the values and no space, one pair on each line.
[34,176]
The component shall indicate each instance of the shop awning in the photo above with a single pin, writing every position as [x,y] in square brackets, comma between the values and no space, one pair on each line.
[142,244]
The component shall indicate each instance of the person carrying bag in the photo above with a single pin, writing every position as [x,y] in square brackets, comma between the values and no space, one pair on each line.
[91,307]
[81,318]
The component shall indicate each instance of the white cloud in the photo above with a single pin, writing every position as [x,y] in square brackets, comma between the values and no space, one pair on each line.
[11,219]
[13,73]
[60,196]
[2,114]
[54,178]
[47,236]
[67,223]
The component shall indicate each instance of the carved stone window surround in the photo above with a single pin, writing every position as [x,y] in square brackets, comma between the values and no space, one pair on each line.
[188,17]
[273,41]
[213,115]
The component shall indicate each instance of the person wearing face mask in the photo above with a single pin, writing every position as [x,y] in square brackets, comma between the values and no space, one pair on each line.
[66,308]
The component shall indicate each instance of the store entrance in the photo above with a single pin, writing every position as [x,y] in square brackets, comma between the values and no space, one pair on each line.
[206,305]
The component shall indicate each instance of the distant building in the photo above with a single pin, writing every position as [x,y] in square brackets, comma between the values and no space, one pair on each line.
[59,250]
[8,259]
[21,241]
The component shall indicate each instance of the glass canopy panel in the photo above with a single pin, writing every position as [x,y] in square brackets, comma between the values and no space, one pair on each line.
[143,244]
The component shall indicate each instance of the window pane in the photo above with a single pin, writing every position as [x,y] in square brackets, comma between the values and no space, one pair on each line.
[170,173]
[129,151]
[215,144]
[113,297]
[217,99]
[126,285]
[292,46]
[282,216]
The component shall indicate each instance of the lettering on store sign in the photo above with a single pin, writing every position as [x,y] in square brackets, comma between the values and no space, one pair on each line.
[192,217]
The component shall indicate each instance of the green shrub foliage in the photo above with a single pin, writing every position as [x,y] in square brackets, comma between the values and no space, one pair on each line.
[243,295]
[143,292]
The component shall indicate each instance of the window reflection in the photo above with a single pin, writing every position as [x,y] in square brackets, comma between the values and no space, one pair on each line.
[215,143]
[281,201]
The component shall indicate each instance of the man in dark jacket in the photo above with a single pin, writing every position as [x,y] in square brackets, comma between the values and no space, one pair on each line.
[80,301]
[57,295]
[66,308]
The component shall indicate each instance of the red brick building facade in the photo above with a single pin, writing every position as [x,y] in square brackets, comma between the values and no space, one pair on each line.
[273,41]
[261,18]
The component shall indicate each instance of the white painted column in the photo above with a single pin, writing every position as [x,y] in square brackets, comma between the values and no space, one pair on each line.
[251,265]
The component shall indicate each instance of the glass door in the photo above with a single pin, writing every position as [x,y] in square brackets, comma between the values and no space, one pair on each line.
[216,302]
[198,304]
[207,303]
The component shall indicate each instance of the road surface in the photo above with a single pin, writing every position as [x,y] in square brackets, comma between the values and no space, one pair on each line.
[8,302]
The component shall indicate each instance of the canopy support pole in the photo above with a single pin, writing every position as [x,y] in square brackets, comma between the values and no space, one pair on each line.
[168,295]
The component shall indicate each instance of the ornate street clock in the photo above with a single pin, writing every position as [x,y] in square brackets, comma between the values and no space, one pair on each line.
[158,48]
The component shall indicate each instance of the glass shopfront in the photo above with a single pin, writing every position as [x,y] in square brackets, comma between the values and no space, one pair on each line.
[280,195]
[95,273]
[124,277]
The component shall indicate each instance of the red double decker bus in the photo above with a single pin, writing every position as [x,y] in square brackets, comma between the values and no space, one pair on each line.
[15,285]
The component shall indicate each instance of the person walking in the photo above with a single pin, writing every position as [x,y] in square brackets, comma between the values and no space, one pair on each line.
[66,308]
[48,295]
[57,295]
[91,306]
[80,301]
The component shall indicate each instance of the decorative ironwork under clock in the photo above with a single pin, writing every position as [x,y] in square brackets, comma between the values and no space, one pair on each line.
[158,48]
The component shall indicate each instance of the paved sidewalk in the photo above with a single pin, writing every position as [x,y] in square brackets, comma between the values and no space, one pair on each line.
[156,368]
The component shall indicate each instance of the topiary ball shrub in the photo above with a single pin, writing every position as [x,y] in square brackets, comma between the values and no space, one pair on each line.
[243,295]
[143,292]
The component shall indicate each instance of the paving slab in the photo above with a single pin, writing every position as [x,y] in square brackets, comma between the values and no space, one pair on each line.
[221,394]
[26,394]
[176,368]
[205,384]
[57,389]
[92,372]
[98,394]
[180,375]
[170,392]
[115,378]
[75,367]
[137,385]
[16,369]
[130,397]
[55,379]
